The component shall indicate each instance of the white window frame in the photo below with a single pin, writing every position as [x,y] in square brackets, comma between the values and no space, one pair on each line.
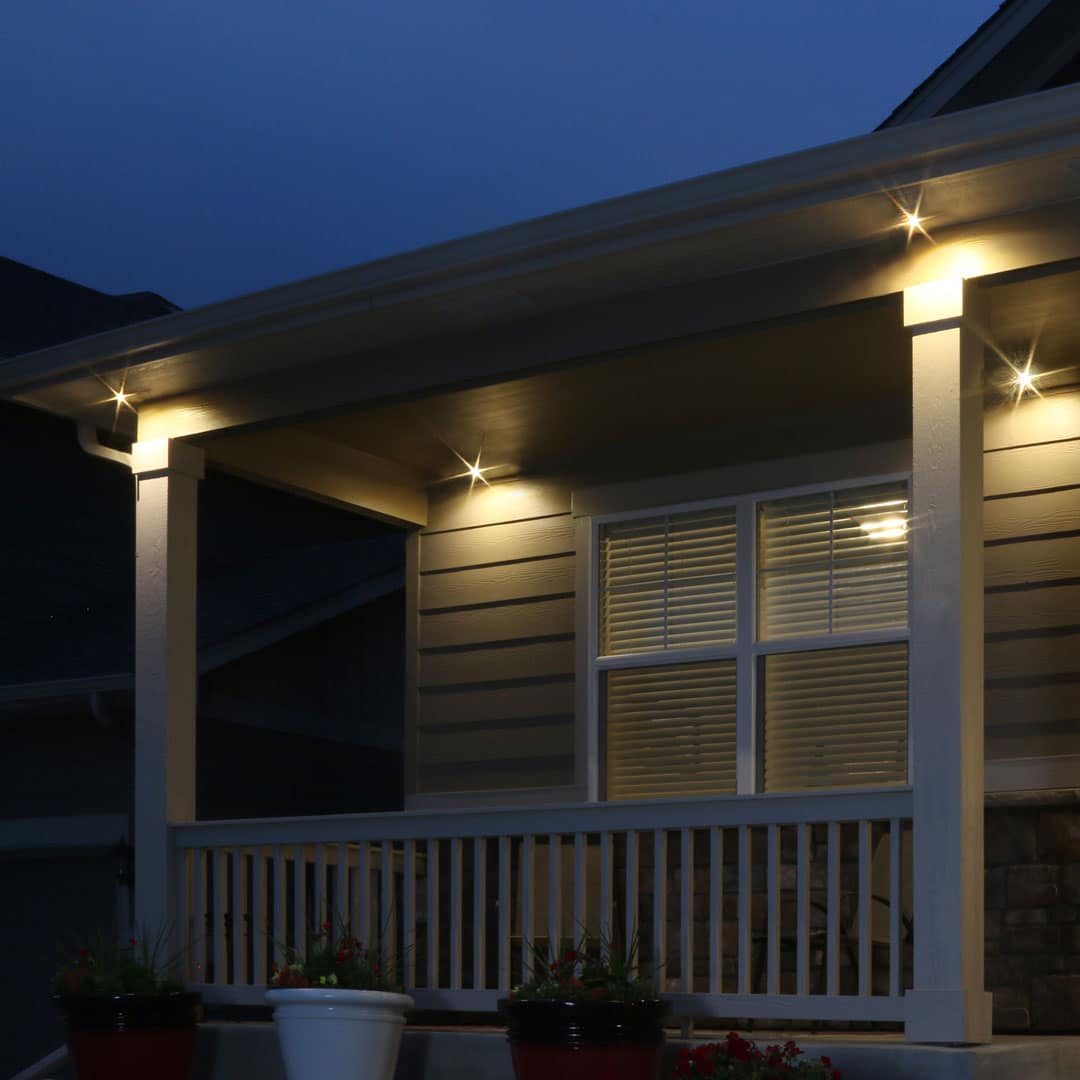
[747,649]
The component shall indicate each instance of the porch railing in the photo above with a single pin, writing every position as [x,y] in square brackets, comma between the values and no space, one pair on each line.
[769,906]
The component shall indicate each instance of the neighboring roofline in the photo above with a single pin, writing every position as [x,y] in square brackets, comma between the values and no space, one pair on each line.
[737,198]
[220,653]
[950,77]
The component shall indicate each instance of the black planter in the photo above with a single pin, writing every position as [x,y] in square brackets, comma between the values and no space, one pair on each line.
[585,1040]
[131,1036]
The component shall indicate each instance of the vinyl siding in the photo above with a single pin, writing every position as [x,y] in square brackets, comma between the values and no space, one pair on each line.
[494,647]
[1032,537]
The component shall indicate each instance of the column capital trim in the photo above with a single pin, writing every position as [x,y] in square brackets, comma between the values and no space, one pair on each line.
[157,456]
[933,303]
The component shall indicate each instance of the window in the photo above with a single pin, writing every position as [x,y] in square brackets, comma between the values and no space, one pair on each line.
[805,669]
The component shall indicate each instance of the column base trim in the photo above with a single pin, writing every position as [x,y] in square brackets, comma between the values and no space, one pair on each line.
[948,1016]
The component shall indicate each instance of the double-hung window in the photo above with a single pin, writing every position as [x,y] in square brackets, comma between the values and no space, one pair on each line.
[754,644]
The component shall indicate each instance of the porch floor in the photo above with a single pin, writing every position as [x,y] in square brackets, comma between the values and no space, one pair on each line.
[239,1051]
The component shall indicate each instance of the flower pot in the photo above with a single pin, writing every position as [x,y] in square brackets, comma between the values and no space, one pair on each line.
[131,1036]
[585,1040]
[339,1034]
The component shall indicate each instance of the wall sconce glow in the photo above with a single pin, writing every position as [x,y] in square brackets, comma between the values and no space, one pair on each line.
[911,217]
[120,397]
[473,470]
[1023,380]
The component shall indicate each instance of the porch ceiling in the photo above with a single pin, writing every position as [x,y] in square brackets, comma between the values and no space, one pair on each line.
[837,378]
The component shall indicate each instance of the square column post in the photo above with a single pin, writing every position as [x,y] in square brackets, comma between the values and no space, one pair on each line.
[948,1003]
[167,475]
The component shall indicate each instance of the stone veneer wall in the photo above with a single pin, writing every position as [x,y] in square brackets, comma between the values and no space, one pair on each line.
[1033,910]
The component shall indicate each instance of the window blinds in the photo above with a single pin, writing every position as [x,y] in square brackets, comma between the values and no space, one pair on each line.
[671,730]
[668,582]
[836,718]
[834,562]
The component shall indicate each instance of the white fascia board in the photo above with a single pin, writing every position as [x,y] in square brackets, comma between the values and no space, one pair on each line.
[741,198]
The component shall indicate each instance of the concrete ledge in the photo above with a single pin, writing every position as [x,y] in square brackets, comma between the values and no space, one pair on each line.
[240,1050]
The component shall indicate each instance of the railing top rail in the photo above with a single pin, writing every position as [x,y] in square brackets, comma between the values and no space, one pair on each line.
[728,811]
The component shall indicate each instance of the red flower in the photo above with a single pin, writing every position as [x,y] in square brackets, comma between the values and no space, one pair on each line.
[133,941]
[600,992]
[571,956]
[84,952]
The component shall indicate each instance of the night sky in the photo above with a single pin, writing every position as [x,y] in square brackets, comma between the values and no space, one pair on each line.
[208,148]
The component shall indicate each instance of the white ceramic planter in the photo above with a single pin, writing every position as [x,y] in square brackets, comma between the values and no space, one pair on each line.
[328,1034]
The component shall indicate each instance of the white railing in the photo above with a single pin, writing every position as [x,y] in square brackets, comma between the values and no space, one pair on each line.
[767,906]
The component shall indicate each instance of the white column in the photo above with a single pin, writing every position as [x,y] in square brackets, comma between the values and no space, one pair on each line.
[948,1003]
[167,475]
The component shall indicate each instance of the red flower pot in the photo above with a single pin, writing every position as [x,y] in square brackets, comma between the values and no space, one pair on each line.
[131,1036]
[585,1040]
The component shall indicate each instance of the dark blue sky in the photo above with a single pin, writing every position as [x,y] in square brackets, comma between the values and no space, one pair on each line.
[208,148]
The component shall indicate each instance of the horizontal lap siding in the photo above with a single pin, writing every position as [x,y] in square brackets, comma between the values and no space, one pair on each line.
[495,656]
[1032,534]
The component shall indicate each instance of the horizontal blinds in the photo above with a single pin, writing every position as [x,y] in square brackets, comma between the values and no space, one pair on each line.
[668,582]
[835,562]
[671,730]
[836,718]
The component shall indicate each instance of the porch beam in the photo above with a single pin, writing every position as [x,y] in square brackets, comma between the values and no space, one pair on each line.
[301,463]
[167,475]
[948,1003]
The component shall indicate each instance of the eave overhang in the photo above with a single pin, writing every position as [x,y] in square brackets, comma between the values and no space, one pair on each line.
[999,185]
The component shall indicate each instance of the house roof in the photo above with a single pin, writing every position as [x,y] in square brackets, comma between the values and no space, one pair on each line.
[482,307]
[1024,47]
[38,310]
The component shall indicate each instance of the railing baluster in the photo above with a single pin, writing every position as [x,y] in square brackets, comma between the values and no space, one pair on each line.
[527,907]
[320,900]
[221,972]
[456,919]
[280,932]
[365,902]
[744,909]
[236,914]
[772,926]
[479,979]
[408,915]
[865,893]
[832,912]
[300,899]
[201,911]
[632,900]
[257,917]
[581,887]
[388,938]
[181,943]
[896,907]
[505,921]
[716,910]
[554,891]
[341,889]
[432,914]
[606,874]
[659,907]
[686,913]
[802,910]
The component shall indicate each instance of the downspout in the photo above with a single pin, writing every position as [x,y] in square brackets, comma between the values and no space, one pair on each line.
[92,444]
